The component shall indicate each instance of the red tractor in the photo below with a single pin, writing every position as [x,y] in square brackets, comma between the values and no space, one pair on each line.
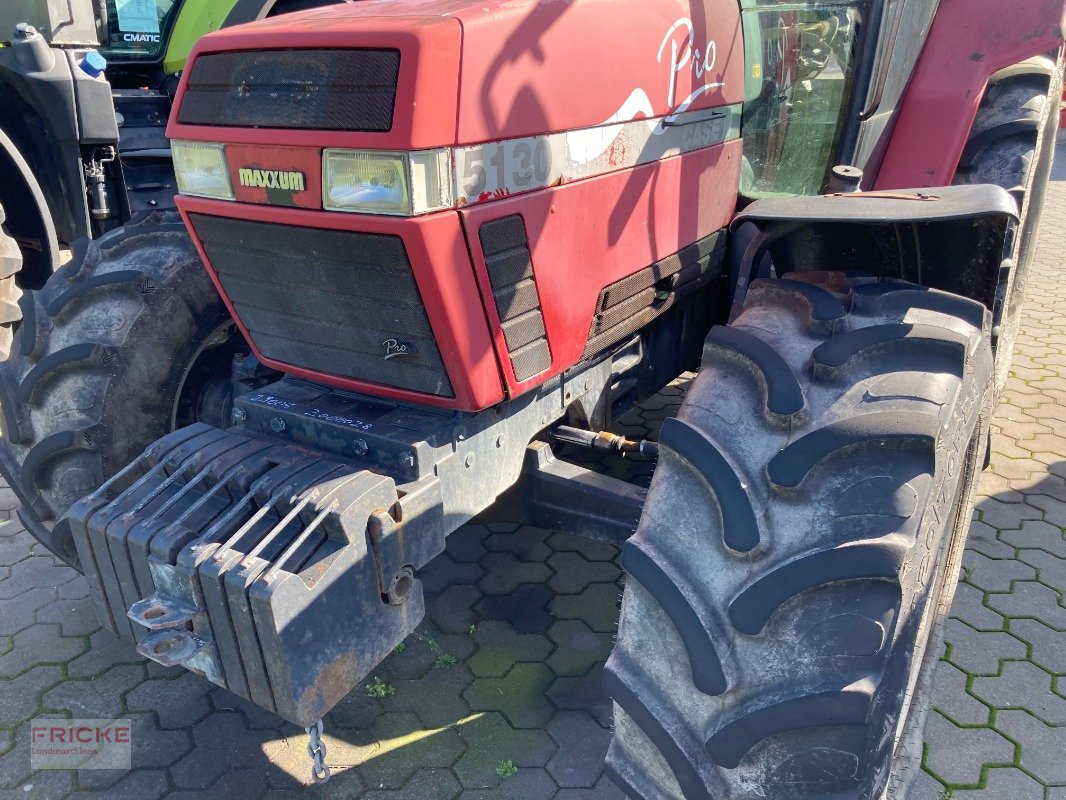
[420,243]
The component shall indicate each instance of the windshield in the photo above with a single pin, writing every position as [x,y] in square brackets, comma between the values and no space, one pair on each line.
[799,75]
[137,29]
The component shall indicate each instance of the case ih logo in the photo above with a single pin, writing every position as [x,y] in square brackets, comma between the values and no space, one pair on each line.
[272,179]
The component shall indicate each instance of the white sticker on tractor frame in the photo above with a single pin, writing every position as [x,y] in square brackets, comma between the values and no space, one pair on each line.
[493,170]
[137,16]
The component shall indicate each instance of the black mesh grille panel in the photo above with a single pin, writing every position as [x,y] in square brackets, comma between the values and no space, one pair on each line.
[631,303]
[335,90]
[514,290]
[337,302]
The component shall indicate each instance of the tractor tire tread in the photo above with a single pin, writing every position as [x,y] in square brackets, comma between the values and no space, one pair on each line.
[98,363]
[758,534]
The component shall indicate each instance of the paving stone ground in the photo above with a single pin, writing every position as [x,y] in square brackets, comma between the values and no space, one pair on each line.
[503,676]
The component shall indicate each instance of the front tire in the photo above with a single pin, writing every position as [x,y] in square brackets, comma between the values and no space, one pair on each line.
[99,364]
[800,545]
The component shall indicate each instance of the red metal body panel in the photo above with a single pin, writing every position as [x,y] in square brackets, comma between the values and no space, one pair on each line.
[441,265]
[427,88]
[521,68]
[969,41]
[587,234]
[542,67]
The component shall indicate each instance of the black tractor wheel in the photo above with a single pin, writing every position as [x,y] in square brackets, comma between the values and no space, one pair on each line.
[10,264]
[1012,144]
[104,363]
[800,545]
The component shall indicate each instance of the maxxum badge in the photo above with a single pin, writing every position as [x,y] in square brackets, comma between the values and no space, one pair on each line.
[272,179]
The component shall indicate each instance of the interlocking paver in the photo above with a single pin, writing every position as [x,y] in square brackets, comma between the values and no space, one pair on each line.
[519,695]
[402,746]
[979,652]
[990,575]
[1051,569]
[19,696]
[95,698]
[984,539]
[50,785]
[1048,645]
[597,606]
[32,572]
[178,702]
[1023,685]
[926,787]
[504,573]
[526,784]
[573,572]
[589,548]
[1033,600]
[953,701]
[525,608]
[526,542]
[41,644]
[585,693]
[500,647]
[1009,515]
[956,755]
[1004,782]
[1042,745]
[603,790]
[137,785]
[437,698]
[238,784]
[970,608]
[428,784]
[580,648]
[491,740]
[105,651]
[222,742]
[581,741]
[1054,509]
[20,613]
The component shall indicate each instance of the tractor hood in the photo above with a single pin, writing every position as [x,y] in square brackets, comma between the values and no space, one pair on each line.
[471,72]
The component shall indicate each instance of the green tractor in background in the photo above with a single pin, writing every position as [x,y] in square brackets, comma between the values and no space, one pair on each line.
[85,93]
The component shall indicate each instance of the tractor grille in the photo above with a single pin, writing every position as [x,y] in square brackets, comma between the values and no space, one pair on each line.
[336,302]
[628,305]
[514,289]
[330,90]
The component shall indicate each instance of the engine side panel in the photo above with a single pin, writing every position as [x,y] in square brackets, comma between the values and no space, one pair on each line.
[588,234]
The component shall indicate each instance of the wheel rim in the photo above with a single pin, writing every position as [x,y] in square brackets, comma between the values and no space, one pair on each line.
[208,365]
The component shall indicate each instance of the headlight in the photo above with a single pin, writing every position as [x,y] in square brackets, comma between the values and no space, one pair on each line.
[201,169]
[374,182]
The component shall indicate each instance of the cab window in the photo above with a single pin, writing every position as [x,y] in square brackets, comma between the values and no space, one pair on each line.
[137,29]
